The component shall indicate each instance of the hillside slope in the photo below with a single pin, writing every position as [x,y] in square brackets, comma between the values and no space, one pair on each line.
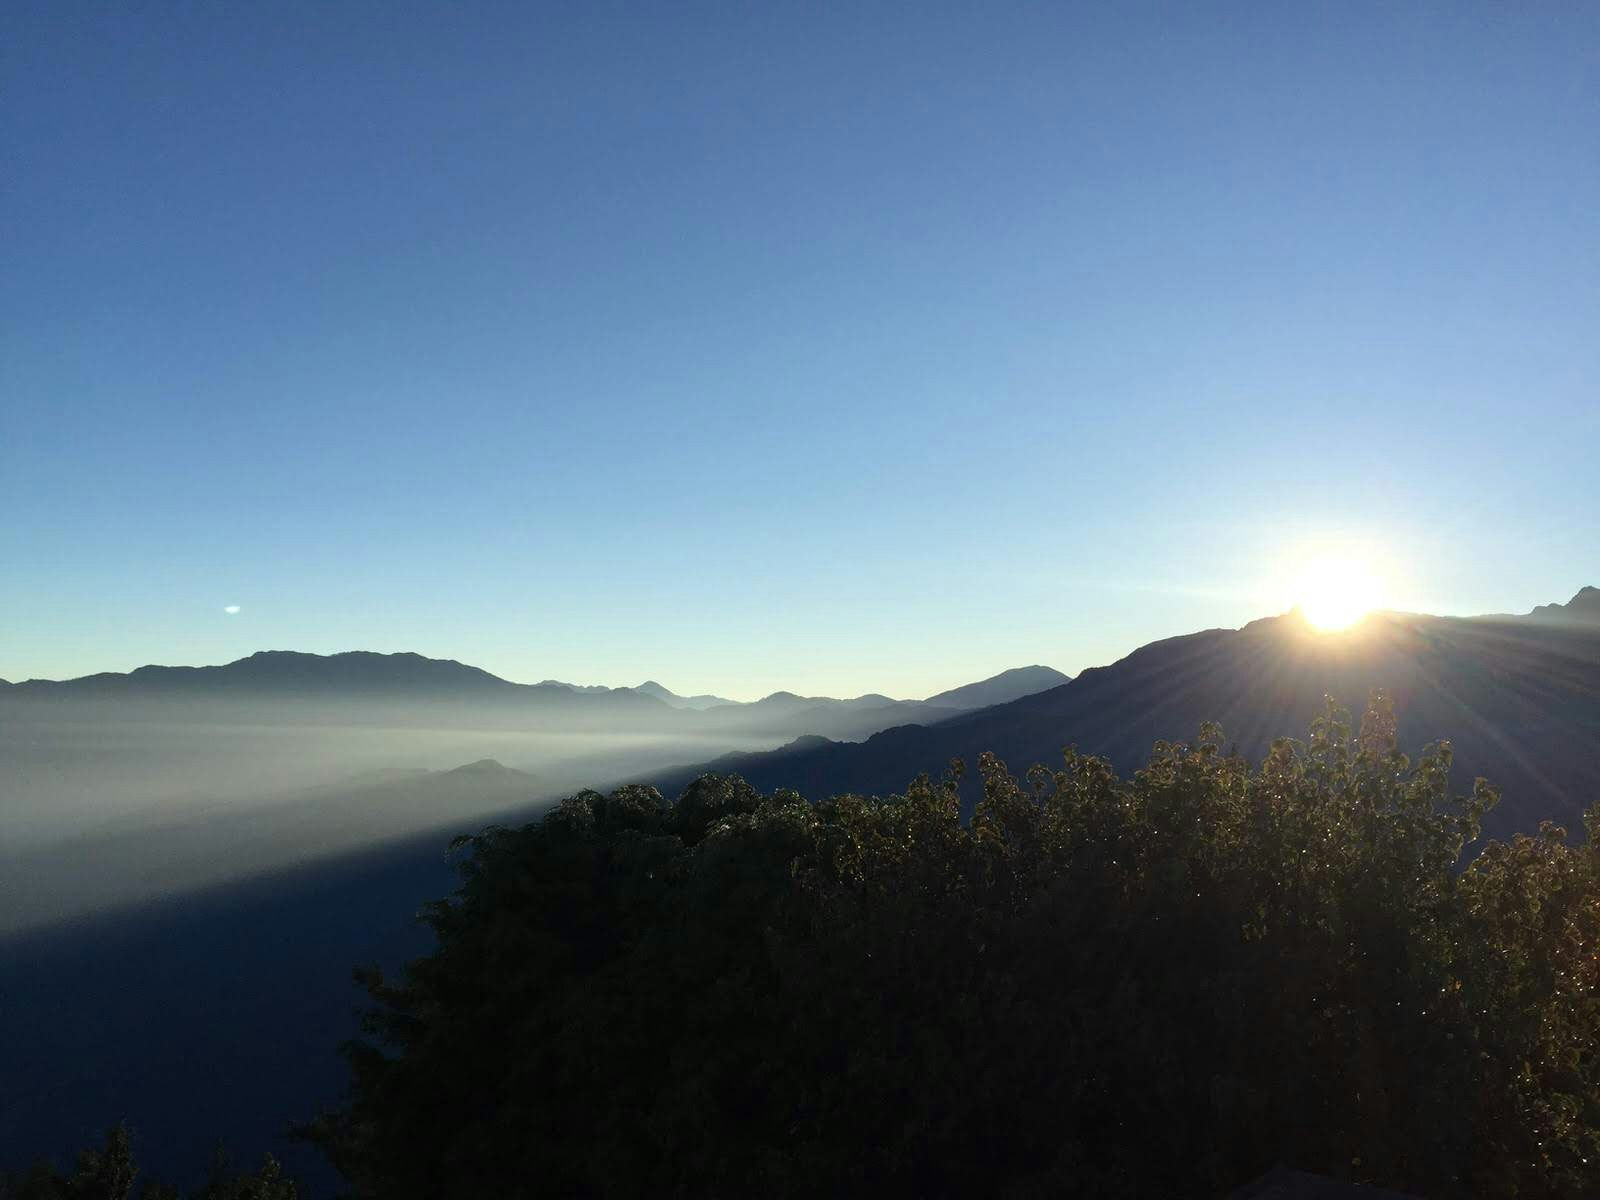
[1000,689]
[1518,697]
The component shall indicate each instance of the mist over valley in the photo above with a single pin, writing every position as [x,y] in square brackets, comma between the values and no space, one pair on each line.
[790,601]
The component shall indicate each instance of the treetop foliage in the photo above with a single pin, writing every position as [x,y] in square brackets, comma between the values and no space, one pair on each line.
[1152,986]
[109,1173]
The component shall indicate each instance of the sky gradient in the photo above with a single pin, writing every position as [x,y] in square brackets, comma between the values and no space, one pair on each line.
[758,347]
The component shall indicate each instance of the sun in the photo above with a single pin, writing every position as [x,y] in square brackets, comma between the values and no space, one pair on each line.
[1334,593]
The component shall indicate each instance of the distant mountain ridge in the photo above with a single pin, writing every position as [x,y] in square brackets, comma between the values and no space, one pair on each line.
[586,689]
[648,688]
[1008,685]
[651,688]
[355,685]
[292,670]
[410,687]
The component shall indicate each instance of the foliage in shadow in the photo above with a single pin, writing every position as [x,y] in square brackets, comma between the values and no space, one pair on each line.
[1096,986]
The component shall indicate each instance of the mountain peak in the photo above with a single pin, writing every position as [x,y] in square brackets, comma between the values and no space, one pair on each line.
[1584,606]
[1009,685]
[484,767]
[669,697]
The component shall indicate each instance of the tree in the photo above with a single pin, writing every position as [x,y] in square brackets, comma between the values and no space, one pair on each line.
[109,1174]
[106,1174]
[1152,986]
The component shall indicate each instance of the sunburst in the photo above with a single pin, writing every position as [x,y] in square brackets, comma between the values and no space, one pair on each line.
[1335,593]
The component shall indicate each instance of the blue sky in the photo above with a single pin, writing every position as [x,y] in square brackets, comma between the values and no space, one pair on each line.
[760,346]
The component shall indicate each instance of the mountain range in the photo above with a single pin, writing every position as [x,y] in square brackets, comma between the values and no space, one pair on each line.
[408,686]
[1517,696]
[648,688]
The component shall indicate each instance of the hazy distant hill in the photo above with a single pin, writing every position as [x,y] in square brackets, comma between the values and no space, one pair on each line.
[648,688]
[1519,697]
[291,672]
[784,714]
[1000,689]
[851,717]
[354,674]
[586,689]
[651,688]
[283,686]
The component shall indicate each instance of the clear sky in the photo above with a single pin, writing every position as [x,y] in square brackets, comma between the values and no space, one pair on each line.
[825,347]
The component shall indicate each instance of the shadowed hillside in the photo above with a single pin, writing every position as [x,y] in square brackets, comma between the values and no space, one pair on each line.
[1519,698]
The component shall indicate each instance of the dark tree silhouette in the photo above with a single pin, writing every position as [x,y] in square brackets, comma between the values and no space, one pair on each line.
[1096,986]
[110,1173]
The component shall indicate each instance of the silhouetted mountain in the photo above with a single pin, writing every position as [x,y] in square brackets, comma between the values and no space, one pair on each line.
[586,689]
[289,671]
[651,688]
[1000,689]
[786,702]
[410,688]
[486,768]
[1518,698]
[362,674]
[279,684]
[1583,608]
